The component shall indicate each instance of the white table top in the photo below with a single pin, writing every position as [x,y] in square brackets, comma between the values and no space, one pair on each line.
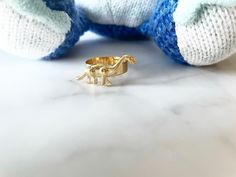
[160,120]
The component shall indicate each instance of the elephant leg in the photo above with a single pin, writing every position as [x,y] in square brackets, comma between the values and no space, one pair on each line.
[81,77]
[108,82]
[104,78]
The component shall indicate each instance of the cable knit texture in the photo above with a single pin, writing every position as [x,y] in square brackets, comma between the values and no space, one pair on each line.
[37,9]
[79,25]
[161,27]
[27,36]
[24,36]
[210,40]
[189,11]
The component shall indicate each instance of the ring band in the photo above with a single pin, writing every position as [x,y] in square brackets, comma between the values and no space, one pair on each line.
[104,67]
[109,61]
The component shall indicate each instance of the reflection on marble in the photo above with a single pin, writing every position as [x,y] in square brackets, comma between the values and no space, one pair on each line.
[162,119]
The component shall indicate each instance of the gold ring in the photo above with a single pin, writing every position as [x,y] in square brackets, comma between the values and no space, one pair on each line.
[104,67]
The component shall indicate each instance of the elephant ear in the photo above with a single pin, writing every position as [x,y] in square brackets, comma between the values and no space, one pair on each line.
[38,9]
[189,11]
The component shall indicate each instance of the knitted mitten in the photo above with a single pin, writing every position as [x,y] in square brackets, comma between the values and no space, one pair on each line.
[196,32]
[39,28]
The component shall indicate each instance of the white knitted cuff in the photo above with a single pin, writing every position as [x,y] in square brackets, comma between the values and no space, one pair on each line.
[26,37]
[210,40]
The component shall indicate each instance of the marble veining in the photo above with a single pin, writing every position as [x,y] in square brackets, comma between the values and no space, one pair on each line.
[162,119]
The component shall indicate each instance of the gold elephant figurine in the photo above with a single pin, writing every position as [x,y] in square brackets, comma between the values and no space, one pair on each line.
[101,68]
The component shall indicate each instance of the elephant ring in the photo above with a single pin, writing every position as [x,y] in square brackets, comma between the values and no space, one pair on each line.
[100,69]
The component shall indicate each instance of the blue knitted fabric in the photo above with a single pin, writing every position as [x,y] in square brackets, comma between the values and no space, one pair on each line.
[161,27]
[78,25]
[117,32]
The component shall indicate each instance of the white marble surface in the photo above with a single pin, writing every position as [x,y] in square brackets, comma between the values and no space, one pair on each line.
[161,120]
